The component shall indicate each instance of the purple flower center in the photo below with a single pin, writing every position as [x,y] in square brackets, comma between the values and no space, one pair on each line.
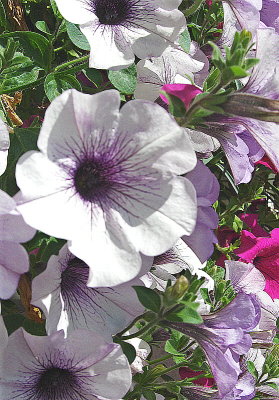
[90,180]
[113,12]
[74,277]
[56,383]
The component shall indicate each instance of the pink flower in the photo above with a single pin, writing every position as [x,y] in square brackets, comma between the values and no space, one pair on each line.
[263,252]
[184,92]
[267,163]
[186,372]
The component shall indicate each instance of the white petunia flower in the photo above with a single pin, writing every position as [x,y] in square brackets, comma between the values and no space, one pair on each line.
[106,180]
[4,146]
[84,366]
[61,292]
[117,30]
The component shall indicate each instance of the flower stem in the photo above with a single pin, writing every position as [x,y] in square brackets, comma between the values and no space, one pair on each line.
[72,62]
[192,9]
[140,332]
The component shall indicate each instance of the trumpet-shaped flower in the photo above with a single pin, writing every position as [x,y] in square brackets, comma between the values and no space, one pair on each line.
[61,292]
[117,30]
[83,366]
[13,257]
[224,338]
[107,181]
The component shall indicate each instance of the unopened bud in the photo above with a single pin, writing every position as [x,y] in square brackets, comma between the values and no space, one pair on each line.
[256,107]
[174,293]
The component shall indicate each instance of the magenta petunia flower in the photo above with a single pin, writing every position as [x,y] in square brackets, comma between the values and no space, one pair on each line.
[83,366]
[263,252]
[107,181]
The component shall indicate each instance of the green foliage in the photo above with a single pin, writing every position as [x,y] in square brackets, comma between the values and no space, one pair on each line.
[35,46]
[76,36]
[124,80]
[21,141]
[185,40]
[148,298]
[56,84]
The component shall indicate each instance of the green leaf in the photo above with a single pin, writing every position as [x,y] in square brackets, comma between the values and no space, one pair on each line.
[171,348]
[21,72]
[124,80]
[76,36]
[252,369]
[148,394]
[13,322]
[35,46]
[42,26]
[148,298]
[128,350]
[34,328]
[3,18]
[176,106]
[232,73]
[187,314]
[56,84]
[21,141]
[94,75]
[185,40]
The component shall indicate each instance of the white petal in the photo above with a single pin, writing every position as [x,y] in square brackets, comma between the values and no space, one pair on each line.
[75,11]
[73,117]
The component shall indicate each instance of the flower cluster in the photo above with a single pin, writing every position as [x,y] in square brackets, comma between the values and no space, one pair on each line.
[139,221]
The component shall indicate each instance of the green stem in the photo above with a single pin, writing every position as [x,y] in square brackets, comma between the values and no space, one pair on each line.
[192,9]
[158,360]
[140,332]
[130,326]
[72,62]
[38,82]
[165,371]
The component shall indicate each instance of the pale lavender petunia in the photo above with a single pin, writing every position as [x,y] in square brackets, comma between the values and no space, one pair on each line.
[270,13]
[4,146]
[83,366]
[239,15]
[14,259]
[224,338]
[180,257]
[107,181]
[207,189]
[117,30]
[68,304]
[174,66]
[244,138]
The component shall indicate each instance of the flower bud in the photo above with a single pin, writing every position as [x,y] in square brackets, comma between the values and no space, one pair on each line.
[174,293]
[248,105]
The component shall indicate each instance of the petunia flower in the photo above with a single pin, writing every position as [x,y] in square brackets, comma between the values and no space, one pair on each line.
[117,30]
[82,366]
[207,188]
[174,66]
[186,372]
[243,137]
[4,146]
[14,259]
[239,15]
[224,337]
[173,261]
[263,252]
[61,292]
[107,181]
[270,13]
